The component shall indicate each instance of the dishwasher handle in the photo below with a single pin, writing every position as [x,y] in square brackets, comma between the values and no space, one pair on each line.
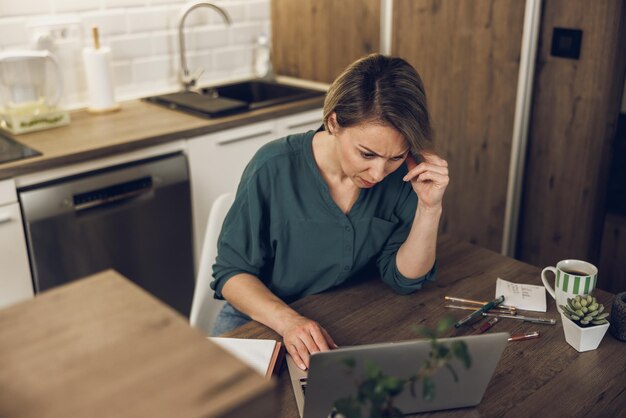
[115,193]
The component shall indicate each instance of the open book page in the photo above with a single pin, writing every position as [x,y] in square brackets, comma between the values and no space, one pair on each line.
[262,355]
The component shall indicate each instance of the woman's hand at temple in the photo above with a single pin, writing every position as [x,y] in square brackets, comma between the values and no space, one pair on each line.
[303,336]
[428,178]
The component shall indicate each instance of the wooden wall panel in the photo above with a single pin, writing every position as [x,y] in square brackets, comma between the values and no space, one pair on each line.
[611,271]
[317,39]
[575,110]
[467,53]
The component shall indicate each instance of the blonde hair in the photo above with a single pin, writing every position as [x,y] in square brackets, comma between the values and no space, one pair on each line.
[383,90]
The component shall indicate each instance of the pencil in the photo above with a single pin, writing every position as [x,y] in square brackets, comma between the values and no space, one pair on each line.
[476,302]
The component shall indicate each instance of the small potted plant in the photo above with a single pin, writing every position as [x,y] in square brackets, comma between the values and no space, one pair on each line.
[584,322]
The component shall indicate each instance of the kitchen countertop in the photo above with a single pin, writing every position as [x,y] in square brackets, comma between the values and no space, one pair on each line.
[137,125]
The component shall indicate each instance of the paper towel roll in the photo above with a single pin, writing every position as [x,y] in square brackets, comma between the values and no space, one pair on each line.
[99,80]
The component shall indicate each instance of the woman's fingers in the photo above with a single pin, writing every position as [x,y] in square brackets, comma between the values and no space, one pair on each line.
[423,168]
[304,338]
[329,340]
[297,355]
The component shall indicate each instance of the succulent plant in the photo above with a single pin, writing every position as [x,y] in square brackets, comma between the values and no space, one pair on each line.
[585,311]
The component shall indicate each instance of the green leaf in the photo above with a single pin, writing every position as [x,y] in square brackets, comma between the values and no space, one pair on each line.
[445,324]
[371,370]
[349,362]
[425,332]
[454,375]
[428,389]
[348,407]
[412,387]
[441,351]
[459,349]
[393,385]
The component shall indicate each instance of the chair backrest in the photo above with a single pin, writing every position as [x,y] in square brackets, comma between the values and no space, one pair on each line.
[204,308]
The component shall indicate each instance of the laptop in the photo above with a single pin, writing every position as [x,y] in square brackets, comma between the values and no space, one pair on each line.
[328,379]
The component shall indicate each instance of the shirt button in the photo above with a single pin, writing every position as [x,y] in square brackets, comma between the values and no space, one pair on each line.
[348,248]
[348,228]
[346,268]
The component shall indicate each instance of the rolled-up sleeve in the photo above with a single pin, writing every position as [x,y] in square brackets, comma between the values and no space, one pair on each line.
[386,261]
[241,246]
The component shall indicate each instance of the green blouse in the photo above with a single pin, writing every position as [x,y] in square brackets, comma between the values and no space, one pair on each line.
[285,228]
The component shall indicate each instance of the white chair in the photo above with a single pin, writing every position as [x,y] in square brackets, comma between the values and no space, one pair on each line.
[204,308]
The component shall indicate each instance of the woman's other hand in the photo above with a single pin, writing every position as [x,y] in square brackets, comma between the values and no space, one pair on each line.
[428,178]
[303,336]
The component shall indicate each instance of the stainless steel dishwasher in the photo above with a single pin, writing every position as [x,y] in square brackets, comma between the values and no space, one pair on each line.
[134,218]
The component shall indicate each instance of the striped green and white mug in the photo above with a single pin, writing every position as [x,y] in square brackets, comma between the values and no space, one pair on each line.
[572,277]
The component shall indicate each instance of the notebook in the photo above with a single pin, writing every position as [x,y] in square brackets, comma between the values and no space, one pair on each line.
[328,380]
[264,356]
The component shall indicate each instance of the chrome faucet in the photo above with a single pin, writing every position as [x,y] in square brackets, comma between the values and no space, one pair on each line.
[186,79]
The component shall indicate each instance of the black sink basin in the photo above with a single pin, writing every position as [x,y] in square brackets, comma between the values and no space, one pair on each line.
[232,98]
[11,150]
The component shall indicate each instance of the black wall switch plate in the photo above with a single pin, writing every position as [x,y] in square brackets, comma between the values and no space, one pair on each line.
[566,43]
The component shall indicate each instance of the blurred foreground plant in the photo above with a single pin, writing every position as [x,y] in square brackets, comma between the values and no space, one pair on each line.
[376,391]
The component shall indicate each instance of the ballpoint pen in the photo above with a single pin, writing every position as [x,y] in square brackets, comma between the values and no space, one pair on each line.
[488,325]
[547,321]
[499,309]
[476,302]
[523,337]
[480,311]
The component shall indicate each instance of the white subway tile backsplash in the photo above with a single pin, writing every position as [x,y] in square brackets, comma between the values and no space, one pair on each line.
[165,43]
[212,37]
[141,20]
[74,5]
[151,70]
[122,74]
[24,7]
[110,4]
[258,10]
[143,36]
[108,22]
[245,33]
[13,32]
[235,57]
[160,2]
[236,10]
[127,47]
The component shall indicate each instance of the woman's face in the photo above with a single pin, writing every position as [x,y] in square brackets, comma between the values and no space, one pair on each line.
[369,152]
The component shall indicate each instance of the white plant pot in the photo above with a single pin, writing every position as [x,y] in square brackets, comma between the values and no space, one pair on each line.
[583,339]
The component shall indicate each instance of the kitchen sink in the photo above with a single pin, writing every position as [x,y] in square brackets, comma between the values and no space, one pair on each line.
[226,99]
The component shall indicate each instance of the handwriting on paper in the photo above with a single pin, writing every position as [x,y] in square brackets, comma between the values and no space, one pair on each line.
[527,297]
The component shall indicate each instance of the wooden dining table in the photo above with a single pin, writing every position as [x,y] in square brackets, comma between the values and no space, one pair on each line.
[536,378]
[104,347]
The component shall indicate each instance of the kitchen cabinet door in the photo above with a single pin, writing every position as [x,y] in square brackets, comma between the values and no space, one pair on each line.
[216,163]
[15,280]
[301,122]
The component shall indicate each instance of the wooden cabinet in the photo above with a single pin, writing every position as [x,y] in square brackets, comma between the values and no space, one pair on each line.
[217,160]
[15,281]
[468,55]
[611,269]
[317,39]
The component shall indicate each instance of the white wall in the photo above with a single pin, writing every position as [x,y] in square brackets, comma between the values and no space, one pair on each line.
[143,37]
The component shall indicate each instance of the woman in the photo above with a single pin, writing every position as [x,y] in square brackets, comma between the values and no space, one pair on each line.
[316,209]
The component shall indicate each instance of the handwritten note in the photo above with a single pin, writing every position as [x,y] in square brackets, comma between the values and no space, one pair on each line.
[527,297]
